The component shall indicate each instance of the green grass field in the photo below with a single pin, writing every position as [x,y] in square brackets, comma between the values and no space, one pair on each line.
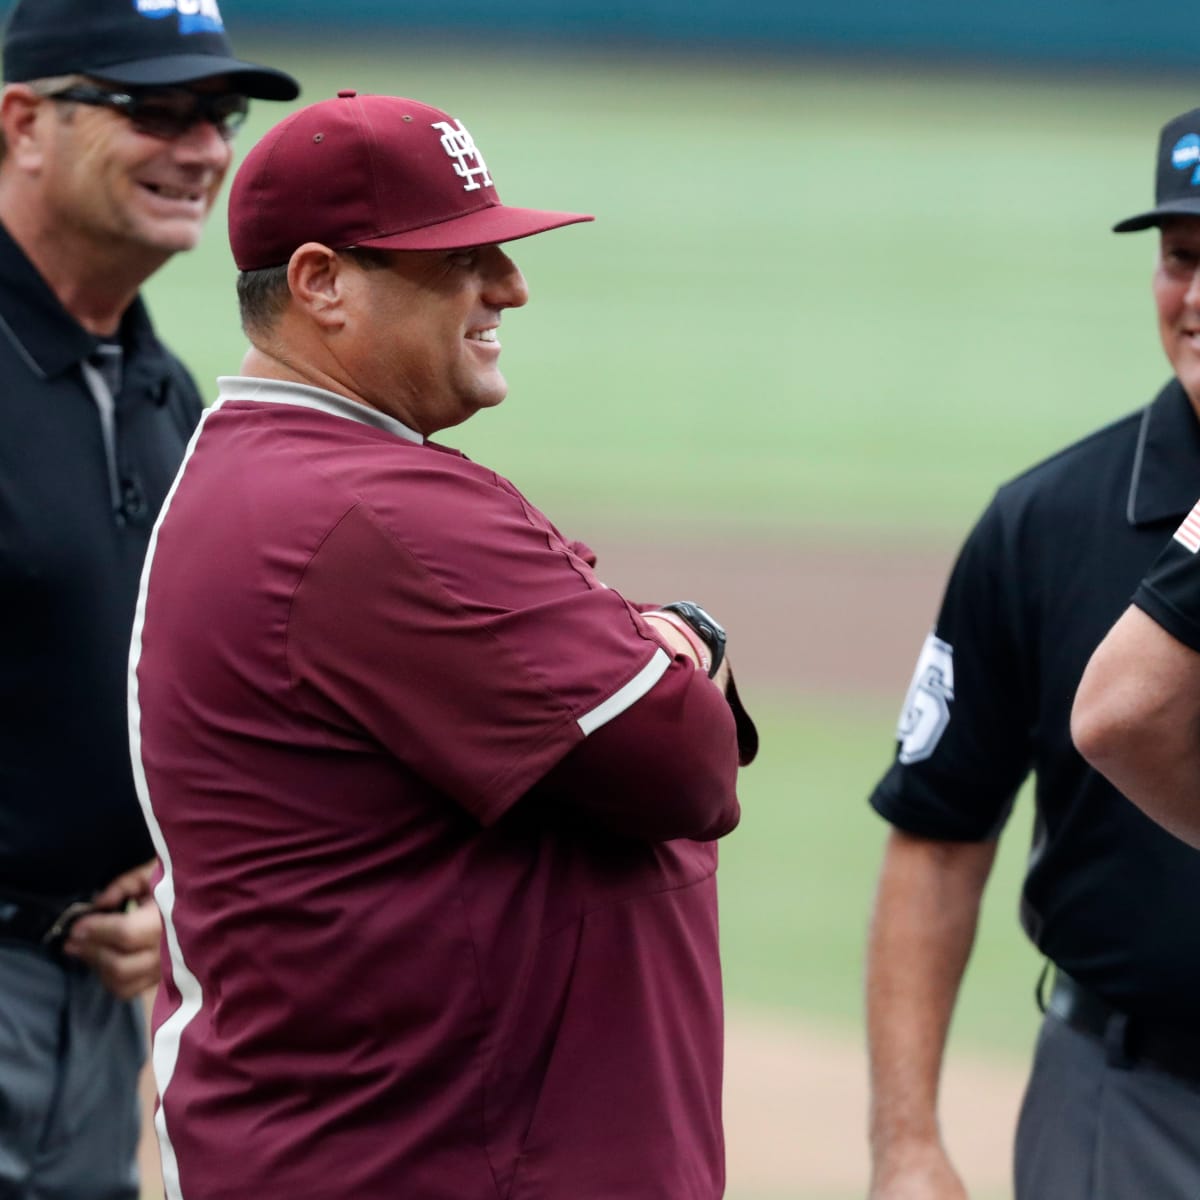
[797,882]
[816,297]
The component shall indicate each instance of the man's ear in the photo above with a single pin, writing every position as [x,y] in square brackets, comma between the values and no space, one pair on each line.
[19,108]
[317,278]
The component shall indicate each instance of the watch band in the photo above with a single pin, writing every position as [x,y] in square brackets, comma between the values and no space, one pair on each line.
[700,650]
[709,629]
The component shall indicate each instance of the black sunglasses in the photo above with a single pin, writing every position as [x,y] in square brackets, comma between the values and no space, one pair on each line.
[166,112]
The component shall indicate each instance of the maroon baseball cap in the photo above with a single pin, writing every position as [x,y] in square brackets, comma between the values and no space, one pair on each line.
[370,171]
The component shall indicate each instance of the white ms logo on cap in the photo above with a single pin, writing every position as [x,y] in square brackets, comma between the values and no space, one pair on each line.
[460,146]
[1186,156]
[195,16]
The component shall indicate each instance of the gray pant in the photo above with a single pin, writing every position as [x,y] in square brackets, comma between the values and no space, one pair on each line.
[1091,1131]
[70,1053]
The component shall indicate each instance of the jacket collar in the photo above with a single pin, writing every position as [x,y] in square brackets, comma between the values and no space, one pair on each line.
[43,333]
[1166,465]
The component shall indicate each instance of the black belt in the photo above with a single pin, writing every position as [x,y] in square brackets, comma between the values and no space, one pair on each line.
[43,922]
[1128,1040]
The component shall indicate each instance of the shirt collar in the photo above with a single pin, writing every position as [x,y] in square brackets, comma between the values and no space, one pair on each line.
[43,333]
[277,391]
[1165,480]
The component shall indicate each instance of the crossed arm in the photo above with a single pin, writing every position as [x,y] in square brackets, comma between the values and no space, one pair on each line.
[1137,721]
[667,766]
[120,940]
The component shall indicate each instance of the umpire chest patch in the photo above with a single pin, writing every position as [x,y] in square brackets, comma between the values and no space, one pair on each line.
[926,711]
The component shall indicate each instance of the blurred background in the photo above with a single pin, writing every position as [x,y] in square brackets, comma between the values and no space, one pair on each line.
[851,269]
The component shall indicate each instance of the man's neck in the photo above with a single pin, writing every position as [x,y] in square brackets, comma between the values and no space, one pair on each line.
[275,360]
[305,363]
[94,284]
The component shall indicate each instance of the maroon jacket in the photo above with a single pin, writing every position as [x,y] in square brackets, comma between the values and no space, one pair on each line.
[436,811]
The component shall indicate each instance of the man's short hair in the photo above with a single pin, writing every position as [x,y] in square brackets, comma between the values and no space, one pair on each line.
[262,297]
[263,294]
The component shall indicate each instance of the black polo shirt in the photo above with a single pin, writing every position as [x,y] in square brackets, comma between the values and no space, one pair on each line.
[1108,896]
[75,519]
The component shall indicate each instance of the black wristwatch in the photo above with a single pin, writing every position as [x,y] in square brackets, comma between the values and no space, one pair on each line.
[710,631]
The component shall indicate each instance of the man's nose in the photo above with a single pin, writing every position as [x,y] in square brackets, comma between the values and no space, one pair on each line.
[506,286]
[1191,297]
[202,143]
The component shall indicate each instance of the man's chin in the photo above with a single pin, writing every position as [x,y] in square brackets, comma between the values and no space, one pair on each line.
[178,245]
[468,408]
[491,395]
[174,237]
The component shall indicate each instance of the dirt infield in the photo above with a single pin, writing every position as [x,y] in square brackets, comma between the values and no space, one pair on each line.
[812,614]
[796,1113]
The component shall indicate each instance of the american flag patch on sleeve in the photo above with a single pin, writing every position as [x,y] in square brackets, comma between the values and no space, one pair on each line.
[1188,534]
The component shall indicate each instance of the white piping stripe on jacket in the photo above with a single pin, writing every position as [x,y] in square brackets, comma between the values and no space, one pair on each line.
[191,998]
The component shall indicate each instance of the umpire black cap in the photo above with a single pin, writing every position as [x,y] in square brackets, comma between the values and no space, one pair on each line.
[1177,182]
[144,43]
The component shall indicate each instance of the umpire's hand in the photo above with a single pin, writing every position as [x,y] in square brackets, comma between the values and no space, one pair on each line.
[120,940]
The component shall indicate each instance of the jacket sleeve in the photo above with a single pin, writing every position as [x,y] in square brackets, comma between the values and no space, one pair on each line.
[665,768]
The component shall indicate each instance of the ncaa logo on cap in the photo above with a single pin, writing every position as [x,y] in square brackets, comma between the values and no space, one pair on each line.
[1186,156]
[195,16]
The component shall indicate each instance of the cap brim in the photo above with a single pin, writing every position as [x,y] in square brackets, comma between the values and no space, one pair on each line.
[259,83]
[1187,207]
[485,227]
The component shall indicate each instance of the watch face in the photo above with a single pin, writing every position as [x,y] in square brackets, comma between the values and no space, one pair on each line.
[707,616]
[696,616]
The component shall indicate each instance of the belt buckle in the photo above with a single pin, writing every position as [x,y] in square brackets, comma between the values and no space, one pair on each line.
[61,926]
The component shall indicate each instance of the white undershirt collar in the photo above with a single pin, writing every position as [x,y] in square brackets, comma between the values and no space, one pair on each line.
[277,391]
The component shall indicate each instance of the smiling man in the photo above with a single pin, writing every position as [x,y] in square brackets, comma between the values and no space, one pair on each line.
[437,809]
[116,120]
[1112,1109]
